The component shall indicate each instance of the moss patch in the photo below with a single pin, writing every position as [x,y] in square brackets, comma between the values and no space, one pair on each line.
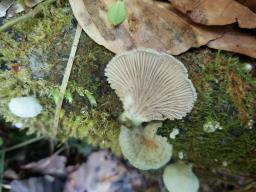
[226,94]
[40,48]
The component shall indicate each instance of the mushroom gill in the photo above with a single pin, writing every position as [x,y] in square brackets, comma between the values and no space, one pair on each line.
[151,85]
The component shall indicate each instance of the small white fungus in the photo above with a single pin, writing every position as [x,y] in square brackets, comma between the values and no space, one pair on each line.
[19,125]
[224,163]
[250,124]
[212,126]
[181,155]
[25,107]
[174,133]
[248,67]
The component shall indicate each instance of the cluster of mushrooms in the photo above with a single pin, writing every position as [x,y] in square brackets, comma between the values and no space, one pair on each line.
[153,87]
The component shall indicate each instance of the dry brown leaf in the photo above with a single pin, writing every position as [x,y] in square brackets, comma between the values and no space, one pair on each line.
[156,25]
[237,42]
[249,3]
[37,184]
[53,165]
[105,173]
[150,24]
[217,12]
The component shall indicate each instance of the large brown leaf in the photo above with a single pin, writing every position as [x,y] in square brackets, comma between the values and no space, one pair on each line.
[156,25]
[249,3]
[217,12]
[237,42]
[149,24]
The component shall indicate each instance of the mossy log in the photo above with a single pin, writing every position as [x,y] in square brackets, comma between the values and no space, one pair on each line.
[226,94]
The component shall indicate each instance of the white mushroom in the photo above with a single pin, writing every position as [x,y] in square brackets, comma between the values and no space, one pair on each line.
[25,107]
[144,148]
[151,85]
[178,177]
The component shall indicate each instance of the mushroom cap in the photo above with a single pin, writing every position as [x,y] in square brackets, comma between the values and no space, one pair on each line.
[151,85]
[144,148]
[178,177]
[25,107]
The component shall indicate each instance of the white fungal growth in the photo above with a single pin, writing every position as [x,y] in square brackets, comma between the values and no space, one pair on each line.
[248,67]
[224,163]
[144,148]
[151,85]
[212,126]
[19,125]
[25,107]
[174,133]
[181,155]
[250,124]
[178,177]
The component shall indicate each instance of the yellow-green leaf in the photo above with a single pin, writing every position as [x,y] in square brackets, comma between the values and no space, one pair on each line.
[117,13]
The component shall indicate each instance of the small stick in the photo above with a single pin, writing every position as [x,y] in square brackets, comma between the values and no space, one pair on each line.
[66,78]
[22,144]
[30,14]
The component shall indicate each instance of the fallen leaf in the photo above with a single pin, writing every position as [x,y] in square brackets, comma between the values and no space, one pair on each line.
[37,184]
[53,165]
[156,25]
[237,42]
[251,4]
[149,24]
[217,12]
[10,174]
[15,9]
[11,8]
[4,6]
[105,173]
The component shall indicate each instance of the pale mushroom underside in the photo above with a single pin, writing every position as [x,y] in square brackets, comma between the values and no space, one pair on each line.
[151,85]
[179,177]
[144,148]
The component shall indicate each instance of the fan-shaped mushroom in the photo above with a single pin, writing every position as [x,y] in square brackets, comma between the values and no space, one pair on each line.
[178,177]
[25,107]
[144,148]
[151,85]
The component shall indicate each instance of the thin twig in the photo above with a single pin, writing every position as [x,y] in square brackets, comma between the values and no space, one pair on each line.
[39,8]
[66,78]
[22,144]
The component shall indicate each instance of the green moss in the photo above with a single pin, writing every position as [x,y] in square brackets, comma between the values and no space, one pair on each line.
[48,38]
[226,93]
[35,37]
[88,72]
